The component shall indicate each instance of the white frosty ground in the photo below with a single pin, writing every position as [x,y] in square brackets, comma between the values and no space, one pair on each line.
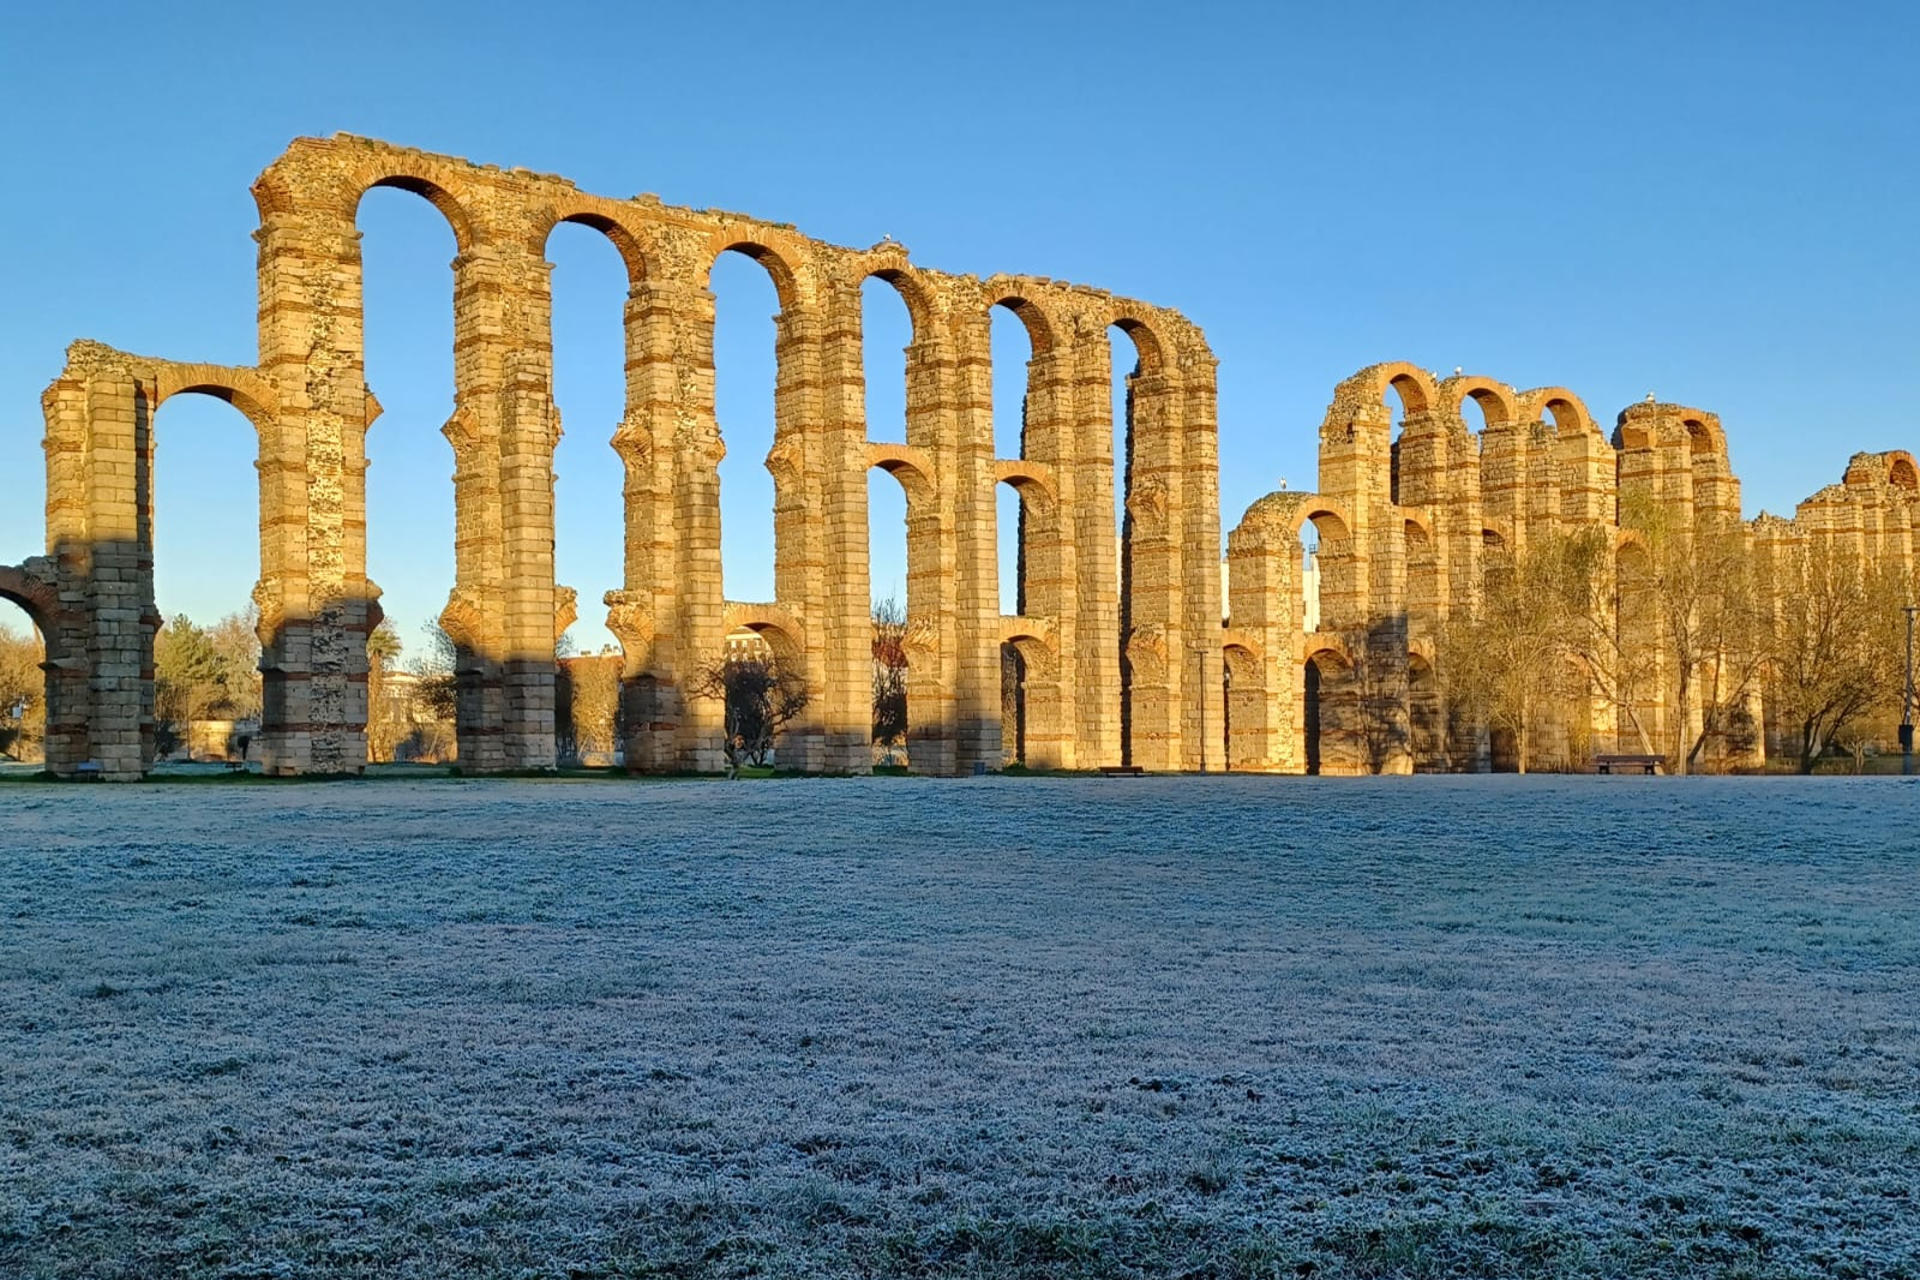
[1205,1027]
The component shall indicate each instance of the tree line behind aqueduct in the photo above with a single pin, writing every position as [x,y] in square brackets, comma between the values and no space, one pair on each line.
[1497,582]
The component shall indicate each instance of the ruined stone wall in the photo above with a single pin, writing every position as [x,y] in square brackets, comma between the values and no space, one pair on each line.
[1110,674]
[1408,524]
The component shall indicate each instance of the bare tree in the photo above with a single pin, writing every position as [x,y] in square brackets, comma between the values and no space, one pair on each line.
[1837,648]
[1710,622]
[761,700]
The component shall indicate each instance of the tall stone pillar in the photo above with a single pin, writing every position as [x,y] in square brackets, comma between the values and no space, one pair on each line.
[843,618]
[316,604]
[1048,555]
[664,315]
[100,542]
[1203,711]
[1159,667]
[977,557]
[1096,554]
[502,608]
[933,588]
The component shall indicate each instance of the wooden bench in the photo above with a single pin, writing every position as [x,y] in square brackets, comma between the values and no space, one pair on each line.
[1627,764]
[1121,770]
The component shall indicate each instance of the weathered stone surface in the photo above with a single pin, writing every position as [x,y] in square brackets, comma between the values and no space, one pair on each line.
[309,402]
[1403,525]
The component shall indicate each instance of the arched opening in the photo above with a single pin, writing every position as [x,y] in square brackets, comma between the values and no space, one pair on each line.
[1402,397]
[1567,418]
[1488,408]
[886,331]
[1013,707]
[766,690]
[1902,475]
[1012,350]
[888,534]
[746,373]
[1328,715]
[1311,705]
[1031,730]
[206,559]
[412,557]
[23,685]
[590,288]
[1699,439]
[592,278]
[1329,590]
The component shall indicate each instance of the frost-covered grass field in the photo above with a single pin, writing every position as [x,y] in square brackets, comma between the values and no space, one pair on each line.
[1044,1028]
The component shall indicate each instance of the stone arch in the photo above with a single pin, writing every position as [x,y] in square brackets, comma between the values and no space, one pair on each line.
[761,500]
[1039,581]
[1041,327]
[1147,341]
[1567,411]
[593,325]
[1289,511]
[419,183]
[786,637]
[1704,437]
[1493,398]
[1032,724]
[1901,472]
[244,389]
[928,748]
[782,631]
[893,269]
[778,266]
[39,599]
[1035,478]
[632,253]
[911,466]
[1413,385]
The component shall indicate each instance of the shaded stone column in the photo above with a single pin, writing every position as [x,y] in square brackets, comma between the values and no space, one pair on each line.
[316,604]
[661,316]
[1048,577]
[1203,710]
[99,570]
[1156,669]
[977,677]
[502,609]
[841,617]
[1263,577]
[933,588]
[1096,595]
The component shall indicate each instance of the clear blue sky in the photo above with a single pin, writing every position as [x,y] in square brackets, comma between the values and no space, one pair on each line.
[1716,202]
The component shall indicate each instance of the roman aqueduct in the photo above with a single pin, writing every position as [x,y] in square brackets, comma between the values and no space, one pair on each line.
[1128,653]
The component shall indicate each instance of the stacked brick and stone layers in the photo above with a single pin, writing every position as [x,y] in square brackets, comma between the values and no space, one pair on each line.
[1405,526]
[1118,638]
